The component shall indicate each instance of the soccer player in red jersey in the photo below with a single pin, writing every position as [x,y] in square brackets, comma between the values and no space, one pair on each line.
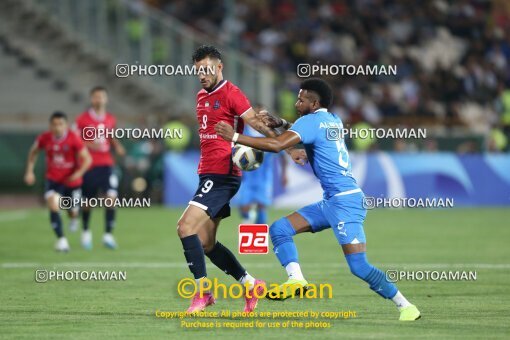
[100,176]
[67,159]
[219,179]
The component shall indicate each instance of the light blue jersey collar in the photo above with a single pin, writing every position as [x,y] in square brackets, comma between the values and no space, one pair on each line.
[321,109]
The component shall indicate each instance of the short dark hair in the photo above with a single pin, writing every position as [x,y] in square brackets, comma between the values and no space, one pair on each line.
[205,51]
[321,88]
[58,115]
[97,88]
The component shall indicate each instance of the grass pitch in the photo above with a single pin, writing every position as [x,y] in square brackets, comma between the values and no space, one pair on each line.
[151,255]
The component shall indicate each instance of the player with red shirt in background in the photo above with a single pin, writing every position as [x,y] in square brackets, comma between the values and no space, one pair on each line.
[219,179]
[67,159]
[100,176]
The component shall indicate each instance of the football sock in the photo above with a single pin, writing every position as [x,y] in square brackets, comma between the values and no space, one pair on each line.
[85,218]
[223,258]
[205,285]
[294,271]
[110,220]
[374,277]
[261,216]
[400,300]
[281,233]
[245,214]
[56,223]
[194,254]
[247,278]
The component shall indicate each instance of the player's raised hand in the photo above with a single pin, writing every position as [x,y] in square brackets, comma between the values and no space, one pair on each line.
[268,119]
[29,178]
[299,156]
[224,130]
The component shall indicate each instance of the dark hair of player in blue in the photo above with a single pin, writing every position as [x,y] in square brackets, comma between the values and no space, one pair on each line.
[205,51]
[321,88]
[58,115]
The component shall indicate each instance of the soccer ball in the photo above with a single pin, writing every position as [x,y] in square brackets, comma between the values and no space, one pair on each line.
[247,158]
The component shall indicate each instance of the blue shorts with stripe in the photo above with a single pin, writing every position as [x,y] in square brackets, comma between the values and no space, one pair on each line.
[343,213]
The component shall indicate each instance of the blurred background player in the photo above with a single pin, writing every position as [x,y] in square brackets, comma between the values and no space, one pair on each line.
[342,209]
[67,159]
[256,192]
[100,177]
[219,179]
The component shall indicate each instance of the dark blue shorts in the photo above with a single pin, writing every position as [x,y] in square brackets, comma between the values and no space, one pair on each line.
[214,194]
[74,193]
[100,179]
[51,187]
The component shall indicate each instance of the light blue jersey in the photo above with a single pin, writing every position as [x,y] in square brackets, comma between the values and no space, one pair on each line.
[326,151]
[342,208]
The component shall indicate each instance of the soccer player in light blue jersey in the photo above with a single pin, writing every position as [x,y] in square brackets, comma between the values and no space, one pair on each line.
[341,209]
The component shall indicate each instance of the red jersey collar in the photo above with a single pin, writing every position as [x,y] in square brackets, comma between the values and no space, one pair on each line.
[95,116]
[217,87]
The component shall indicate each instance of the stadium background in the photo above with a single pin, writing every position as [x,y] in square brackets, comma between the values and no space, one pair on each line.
[453,60]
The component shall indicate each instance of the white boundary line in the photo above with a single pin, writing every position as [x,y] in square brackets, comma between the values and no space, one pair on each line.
[308,265]
[8,216]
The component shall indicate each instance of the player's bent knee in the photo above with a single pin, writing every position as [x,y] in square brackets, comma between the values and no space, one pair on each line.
[186,227]
[281,231]
[52,202]
[359,265]
[182,231]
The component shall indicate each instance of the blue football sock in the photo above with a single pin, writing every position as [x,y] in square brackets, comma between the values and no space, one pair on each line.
[56,223]
[261,216]
[109,219]
[374,277]
[194,254]
[281,233]
[225,260]
[85,218]
[244,215]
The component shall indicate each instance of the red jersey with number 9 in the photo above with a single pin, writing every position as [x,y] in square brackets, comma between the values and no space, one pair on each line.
[225,102]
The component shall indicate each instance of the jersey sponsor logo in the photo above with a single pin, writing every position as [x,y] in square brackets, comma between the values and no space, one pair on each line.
[208,136]
[328,125]
[216,104]
[253,239]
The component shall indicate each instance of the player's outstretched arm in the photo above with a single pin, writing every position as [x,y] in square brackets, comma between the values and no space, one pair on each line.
[251,119]
[273,121]
[271,144]
[31,159]
[264,126]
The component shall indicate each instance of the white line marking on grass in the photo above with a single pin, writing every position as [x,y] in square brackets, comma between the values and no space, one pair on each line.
[310,265]
[7,216]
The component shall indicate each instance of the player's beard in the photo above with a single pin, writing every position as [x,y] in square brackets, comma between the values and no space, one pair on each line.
[303,113]
[99,108]
[214,82]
